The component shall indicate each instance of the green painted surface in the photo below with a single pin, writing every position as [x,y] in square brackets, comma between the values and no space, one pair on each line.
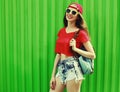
[28,30]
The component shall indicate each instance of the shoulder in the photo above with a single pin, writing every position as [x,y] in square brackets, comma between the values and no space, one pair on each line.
[83,32]
[83,36]
[61,31]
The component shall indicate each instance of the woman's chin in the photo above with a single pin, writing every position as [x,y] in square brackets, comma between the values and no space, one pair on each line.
[70,20]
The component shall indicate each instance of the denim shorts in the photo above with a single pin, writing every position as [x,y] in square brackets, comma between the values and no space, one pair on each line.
[69,69]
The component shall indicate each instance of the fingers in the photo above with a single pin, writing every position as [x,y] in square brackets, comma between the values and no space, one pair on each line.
[72,42]
[52,85]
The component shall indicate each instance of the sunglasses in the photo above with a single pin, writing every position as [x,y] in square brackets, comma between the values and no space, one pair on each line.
[71,11]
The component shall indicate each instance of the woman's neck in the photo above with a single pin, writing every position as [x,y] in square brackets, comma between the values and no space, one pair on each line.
[71,25]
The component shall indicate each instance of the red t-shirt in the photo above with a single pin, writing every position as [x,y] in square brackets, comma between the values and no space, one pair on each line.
[63,41]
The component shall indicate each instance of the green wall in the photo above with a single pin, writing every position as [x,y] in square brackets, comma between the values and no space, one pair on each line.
[28,30]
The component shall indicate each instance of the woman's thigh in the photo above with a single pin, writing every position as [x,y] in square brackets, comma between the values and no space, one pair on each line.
[59,87]
[73,86]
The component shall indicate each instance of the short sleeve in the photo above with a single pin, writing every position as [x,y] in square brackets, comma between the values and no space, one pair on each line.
[60,32]
[83,36]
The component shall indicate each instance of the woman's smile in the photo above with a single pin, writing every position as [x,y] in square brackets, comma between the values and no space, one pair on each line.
[69,17]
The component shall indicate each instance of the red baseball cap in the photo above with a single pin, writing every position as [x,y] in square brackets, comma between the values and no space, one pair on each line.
[78,7]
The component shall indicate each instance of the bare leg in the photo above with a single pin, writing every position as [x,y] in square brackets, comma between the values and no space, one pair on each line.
[59,87]
[72,86]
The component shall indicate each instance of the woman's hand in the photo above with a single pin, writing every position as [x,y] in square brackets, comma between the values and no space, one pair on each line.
[52,83]
[73,43]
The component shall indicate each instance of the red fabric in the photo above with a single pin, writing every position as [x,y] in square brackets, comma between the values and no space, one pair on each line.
[79,8]
[62,43]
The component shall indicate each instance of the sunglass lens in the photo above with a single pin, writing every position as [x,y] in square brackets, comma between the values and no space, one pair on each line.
[68,10]
[73,12]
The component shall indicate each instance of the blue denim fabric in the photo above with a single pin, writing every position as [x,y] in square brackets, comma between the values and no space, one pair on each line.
[69,69]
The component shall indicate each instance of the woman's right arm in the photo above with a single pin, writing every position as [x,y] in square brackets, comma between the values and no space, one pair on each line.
[53,80]
[57,58]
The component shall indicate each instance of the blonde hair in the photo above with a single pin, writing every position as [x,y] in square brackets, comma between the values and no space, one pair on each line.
[84,25]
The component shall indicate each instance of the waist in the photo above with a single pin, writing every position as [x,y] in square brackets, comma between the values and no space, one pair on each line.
[68,59]
[64,57]
[68,62]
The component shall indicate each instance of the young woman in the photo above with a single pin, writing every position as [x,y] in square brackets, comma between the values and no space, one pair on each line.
[69,73]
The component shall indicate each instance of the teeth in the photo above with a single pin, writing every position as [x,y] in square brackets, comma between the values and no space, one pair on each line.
[69,17]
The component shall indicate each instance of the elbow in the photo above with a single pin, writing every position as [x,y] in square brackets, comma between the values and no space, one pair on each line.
[93,56]
[58,55]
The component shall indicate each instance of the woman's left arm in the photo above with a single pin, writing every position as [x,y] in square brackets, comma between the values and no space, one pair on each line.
[88,46]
